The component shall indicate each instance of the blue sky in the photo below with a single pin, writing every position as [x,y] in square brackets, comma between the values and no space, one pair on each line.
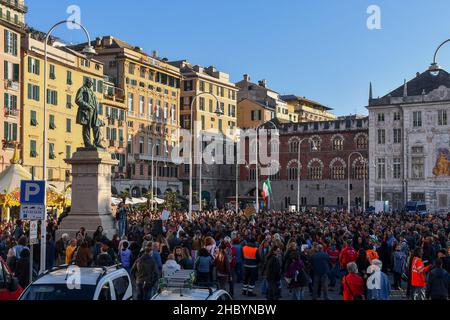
[320,49]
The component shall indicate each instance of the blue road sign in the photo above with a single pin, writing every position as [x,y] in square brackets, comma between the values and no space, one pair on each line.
[32,199]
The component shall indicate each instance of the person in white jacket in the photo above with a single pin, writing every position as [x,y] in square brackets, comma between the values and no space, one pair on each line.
[170,267]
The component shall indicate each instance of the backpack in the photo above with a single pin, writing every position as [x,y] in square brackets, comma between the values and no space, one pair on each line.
[302,277]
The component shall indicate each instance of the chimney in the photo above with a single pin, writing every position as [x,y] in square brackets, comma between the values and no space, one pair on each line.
[154,54]
[98,42]
[262,83]
[246,77]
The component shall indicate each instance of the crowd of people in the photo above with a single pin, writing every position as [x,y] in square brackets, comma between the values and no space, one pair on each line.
[356,255]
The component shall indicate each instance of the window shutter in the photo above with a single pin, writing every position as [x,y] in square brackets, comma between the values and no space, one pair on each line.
[5,64]
[100,86]
[56,97]
[29,64]
[16,72]
[14,133]
[38,63]
[14,102]
[6,100]
[38,92]
[14,44]
[6,41]
[6,131]
[48,95]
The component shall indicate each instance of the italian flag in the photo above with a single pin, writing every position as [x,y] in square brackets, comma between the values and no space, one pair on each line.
[267,190]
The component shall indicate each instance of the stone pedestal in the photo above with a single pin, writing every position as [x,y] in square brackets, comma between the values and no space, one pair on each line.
[91,193]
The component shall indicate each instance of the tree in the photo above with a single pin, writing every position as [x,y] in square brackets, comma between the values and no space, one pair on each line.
[171,202]
[124,195]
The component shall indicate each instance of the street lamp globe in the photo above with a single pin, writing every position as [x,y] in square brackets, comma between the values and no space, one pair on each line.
[89,51]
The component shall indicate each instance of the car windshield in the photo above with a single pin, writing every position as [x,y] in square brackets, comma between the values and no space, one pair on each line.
[58,292]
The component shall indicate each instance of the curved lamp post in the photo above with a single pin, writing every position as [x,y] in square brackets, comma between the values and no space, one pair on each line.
[434,67]
[314,148]
[89,51]
[218,112]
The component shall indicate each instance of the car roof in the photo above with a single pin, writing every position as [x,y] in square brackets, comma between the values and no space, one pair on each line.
[187,294]
[88,276]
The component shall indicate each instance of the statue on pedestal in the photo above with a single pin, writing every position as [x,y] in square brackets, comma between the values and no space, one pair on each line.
[87,115]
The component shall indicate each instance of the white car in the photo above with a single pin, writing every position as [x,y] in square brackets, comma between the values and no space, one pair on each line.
[69,282]
[195,293]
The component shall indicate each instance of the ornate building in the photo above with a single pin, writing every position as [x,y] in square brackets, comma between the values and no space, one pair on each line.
[324,163]
[410,143]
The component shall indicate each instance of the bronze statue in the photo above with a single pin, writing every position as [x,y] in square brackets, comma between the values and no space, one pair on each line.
[87,115]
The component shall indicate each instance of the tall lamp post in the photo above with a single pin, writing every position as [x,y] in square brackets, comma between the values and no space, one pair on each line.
[361,158]
[256,166]
[218,112]
[434,67]
[89,51]
[151,164]
[314,148]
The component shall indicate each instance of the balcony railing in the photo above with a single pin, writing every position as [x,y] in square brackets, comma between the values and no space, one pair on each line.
[10,84]
[11,112]
[9,144]
[11,20]
[15,5]
[112,143]
[114,93]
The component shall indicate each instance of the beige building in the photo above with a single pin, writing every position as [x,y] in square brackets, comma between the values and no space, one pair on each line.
[214,121]
[12,23]
[308,110]
[258,104]
[151,88]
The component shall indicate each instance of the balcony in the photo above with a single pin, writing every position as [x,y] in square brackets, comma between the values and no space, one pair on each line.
[112,143]
[15,5]
[12,85]
[114,93]
[11,20]
[9,144]
[9,112]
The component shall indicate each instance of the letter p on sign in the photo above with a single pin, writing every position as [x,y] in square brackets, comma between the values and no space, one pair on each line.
[31,189]
[32,192]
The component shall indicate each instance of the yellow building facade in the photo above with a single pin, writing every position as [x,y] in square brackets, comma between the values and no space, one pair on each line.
[66,72]
[308,110]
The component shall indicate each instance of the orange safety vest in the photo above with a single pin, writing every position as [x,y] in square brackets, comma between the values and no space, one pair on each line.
[249,252]
[418,273]
[372,254]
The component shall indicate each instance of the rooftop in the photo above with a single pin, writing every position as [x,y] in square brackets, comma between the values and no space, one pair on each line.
[291,97]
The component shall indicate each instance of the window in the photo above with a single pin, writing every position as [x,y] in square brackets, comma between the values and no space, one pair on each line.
[293,146]
[252,174]
[381,136]
[131,68]
[33,92]
[52,97]
[340,201]
[202,85]
[51,151]
[315,172]
[417,167]
[85,62]
[52,74]
[69,101]
[292,173]
[68,125]
[141,105]
[142,72]
[105,293]
[10,42]
[321,201]
[256,115]
[381,117]
[338,171]
[166,111]
[396,116]
[231,110]
[33,120]
[51,122]
[11,71]
[396,168]
[397,135]
[202,104]
[10,103]
[417,118]
[442,117]
[120,287]
[360,171]
[33,153]
[338,143]
[381,169]
[174,113]
[141,145]
[188,84]
[10,131]
[69,77]
[158,147]
[361,142]
[130,102]
[68,151]
[442,201]
[315,144]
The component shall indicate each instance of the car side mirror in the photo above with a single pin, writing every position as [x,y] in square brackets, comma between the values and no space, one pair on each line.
[12,284]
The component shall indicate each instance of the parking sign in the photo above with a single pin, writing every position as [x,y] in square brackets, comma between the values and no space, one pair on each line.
[32,200]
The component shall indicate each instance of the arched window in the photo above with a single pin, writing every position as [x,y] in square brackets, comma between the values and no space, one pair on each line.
[338,143]
[293,146]
[315,170]
[361,142]
[337,167]
[315,143]
[292,170]
[359,170]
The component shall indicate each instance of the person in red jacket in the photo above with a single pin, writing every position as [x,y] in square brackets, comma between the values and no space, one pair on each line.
[353,284]
[418,270]
[347,255]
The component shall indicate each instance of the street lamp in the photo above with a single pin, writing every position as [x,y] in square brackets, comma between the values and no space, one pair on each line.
[89,51]
[256,167]
[218,112]
[434,67]
[361,158]
[151,164]
[314,148]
